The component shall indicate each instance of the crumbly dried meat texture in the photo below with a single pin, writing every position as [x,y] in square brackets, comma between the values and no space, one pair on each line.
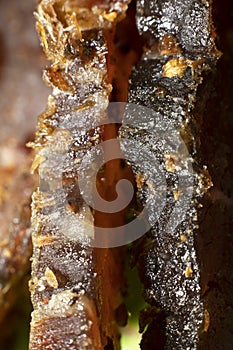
[64,280]
[188,21]
[180,48]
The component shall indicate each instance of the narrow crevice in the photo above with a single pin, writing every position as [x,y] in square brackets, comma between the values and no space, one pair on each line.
[125,48]
[128,49]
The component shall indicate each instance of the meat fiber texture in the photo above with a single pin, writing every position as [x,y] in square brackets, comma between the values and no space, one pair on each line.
[64,284]
[162,96]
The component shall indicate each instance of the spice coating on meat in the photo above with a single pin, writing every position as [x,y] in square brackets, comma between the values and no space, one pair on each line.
[64,284]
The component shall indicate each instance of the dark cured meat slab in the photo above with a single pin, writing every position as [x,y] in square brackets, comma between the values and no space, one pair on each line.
[180,49]
[188,21]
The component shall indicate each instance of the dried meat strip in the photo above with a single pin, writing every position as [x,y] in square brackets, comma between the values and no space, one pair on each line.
[64,284]
[180,49]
